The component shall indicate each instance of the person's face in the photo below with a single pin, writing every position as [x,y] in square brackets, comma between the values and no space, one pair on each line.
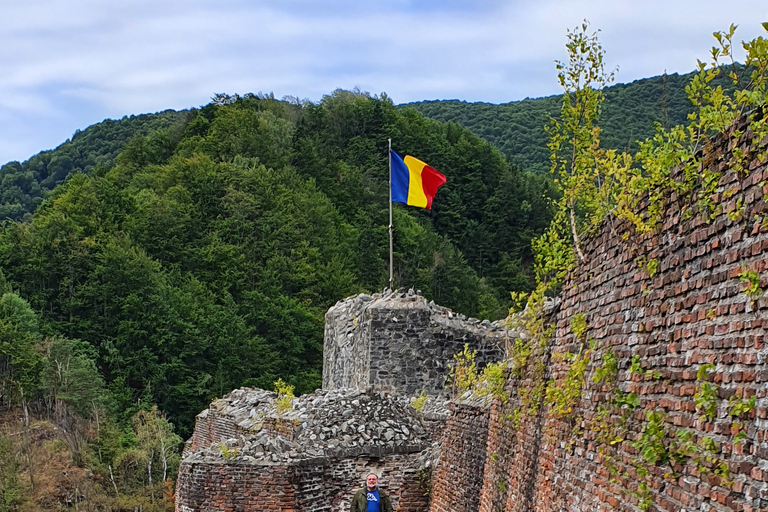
[371,481]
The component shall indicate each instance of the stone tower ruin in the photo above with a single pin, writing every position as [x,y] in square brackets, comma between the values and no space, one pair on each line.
[398,343]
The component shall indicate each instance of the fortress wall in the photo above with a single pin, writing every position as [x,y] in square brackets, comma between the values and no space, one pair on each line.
[412,348]
[210,427]
[311,458]
[214,487]
[397,342]
[459,475]
[691,312]
[223,418]
[346,345]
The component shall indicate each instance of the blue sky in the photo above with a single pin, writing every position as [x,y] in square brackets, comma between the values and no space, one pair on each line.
[67,65]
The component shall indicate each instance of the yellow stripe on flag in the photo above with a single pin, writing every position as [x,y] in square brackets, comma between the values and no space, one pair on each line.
[416,195]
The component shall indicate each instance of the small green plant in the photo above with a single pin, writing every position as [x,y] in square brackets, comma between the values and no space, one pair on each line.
[652,266]
[418,402]
[706,393]
[626,401]
[737,407]
[651,442]
[491,383]
[752,281]
[521,351]
[724,472]
[285,396]
[635,366]
[737,212]
[643,494]
[683,446]
[463,373]
[227,452]
[563,395]
[425,480]
[579,325]
[501,485]
[609,369]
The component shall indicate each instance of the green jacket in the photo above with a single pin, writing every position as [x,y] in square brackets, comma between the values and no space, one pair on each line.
[360,502]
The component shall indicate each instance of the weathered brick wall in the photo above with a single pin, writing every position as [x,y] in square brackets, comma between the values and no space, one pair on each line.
[459,476]
[210,427]
[235,488]
[397,342]
[323,485]
[692,311]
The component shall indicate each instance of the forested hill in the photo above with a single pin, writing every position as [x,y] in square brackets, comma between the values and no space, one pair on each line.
[205,258]
[23,186]
[518,128]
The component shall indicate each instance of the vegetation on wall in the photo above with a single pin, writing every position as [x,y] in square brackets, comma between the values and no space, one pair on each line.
[604,188]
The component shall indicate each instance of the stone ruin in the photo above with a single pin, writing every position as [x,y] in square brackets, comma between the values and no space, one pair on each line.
[399,343]
[246,455]
[379,350]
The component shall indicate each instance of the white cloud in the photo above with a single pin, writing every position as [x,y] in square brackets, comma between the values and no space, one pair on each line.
[65,65]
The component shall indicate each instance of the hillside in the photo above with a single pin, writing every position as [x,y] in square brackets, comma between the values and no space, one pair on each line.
[517,128]
[203,257]
[23,186]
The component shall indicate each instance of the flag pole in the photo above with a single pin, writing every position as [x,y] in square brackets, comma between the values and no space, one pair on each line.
[391,279]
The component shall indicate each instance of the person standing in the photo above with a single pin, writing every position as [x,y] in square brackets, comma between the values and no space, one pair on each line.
[370,498]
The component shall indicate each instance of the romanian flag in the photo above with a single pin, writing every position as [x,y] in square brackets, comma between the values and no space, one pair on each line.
[414,182]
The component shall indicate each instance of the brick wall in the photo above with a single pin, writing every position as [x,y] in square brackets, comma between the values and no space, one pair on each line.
[459,476]
[325,484]
[692,311]
[210,427]
[224,418]
[312,458]
[234,488]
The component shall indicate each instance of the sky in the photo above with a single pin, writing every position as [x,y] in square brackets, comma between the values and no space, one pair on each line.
[65,65]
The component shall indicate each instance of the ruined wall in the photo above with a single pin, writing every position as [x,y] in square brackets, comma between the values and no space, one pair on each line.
[228,417]
[459,476]
[311,458]
[692,311]
[397,342]
[346,345]
[236,487]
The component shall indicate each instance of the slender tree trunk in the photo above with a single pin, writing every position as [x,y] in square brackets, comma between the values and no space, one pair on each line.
[576,241]
[162,453]
[112,477]
[24,406]
[149,472]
